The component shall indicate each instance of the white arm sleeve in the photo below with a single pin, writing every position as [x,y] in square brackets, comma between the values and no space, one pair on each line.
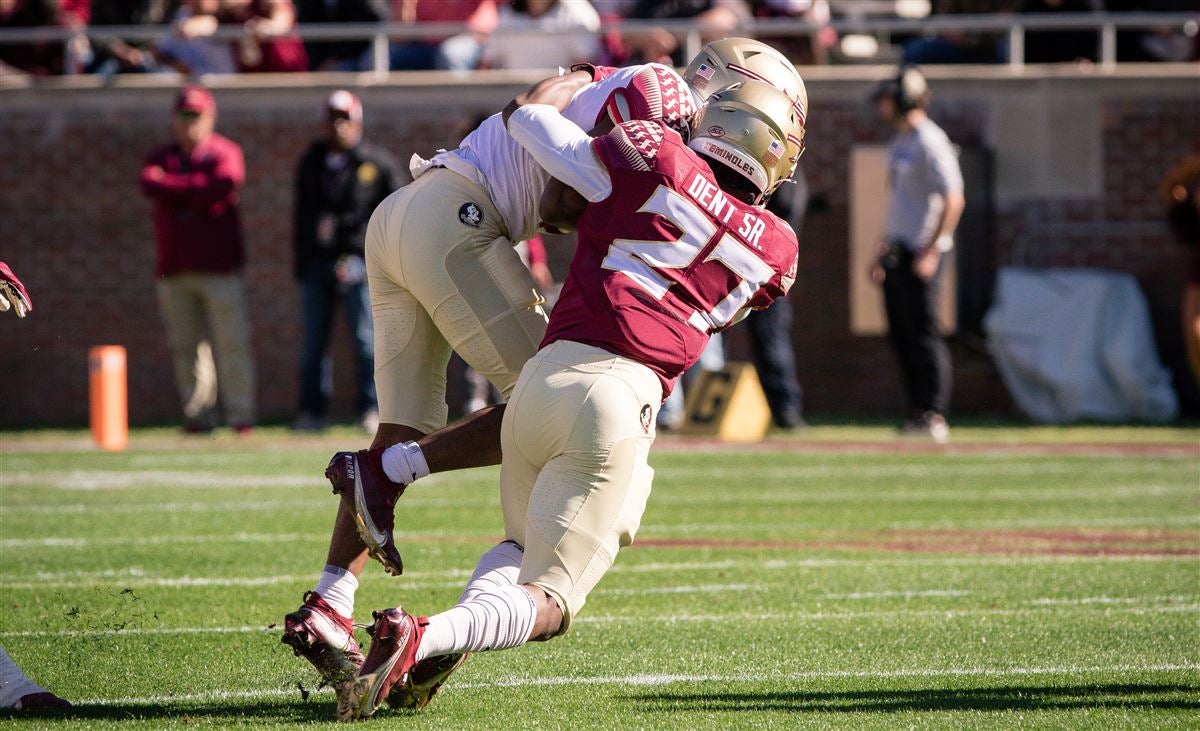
[561,148]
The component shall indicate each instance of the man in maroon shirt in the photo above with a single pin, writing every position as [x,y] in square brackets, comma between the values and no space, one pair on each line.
[194,183]
[674,245]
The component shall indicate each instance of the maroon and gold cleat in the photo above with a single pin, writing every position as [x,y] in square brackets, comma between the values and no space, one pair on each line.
[371,498]
[396,635]
[325,638]
[424,681]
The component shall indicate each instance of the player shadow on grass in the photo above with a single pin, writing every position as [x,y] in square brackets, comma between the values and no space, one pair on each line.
[232,712]
[1127,696]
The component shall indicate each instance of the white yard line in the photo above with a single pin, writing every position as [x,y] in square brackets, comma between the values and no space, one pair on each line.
[657,680]
[642,680]
[942,469]
[138,631]
[1038,493]
[945,470]
[687,589]
[133,575]
[882,613]
[1149,521]
[159,540]
[898,594]
[92,480]
[680,618]
[956,494]
[1109,600]
[315,536]
[189,581]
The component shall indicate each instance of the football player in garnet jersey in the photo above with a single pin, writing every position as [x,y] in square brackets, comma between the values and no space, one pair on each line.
[443,275]
[673,246]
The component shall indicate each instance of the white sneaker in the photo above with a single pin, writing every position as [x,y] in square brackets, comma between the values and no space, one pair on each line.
[939,430]
[930,425]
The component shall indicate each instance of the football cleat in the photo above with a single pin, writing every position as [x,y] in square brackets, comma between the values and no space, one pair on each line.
[395,635]
[44,701]
[424,680]
[320,635]
[371,498]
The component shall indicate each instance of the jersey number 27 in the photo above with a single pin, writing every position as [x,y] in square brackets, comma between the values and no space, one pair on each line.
[643,261]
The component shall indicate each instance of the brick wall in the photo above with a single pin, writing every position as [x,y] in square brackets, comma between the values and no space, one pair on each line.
[74,226]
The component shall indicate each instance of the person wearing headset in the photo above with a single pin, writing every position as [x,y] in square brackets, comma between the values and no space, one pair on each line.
[925,201]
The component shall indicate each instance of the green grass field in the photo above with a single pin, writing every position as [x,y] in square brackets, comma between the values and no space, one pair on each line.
[807,583]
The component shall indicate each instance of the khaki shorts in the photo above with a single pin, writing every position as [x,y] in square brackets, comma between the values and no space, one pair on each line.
[443,275]
[575,480]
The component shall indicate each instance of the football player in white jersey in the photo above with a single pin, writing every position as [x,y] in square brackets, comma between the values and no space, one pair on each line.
[443,276]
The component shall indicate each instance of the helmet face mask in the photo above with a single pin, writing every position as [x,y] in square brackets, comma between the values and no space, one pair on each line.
[746,127]
[731,60]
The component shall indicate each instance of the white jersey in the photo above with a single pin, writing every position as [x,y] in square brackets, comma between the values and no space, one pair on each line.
[490,157]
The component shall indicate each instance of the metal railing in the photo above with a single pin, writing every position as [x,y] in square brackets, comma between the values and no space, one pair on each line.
[1013,26]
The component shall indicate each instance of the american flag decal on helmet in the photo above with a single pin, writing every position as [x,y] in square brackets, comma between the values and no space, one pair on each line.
[774,152]
[705,72]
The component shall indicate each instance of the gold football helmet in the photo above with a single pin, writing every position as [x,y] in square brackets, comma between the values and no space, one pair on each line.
[731,60]
[746,127]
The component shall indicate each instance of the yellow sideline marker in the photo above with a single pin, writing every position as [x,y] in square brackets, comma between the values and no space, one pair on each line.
[727,404]
[107,397]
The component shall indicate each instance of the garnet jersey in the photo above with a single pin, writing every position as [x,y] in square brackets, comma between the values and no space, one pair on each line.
[667,258]
[491,158]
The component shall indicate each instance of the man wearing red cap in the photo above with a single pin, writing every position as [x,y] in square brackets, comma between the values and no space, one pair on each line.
[194,183]
[339,182]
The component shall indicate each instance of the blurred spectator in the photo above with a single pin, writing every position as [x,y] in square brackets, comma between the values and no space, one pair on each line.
[812,48]
[543,34]
[270,44]
[43,58]
[1059,46]
[109,55]
[959,46]
[190,49]
[456,53]
[194,183]
[925,201]
[339,55]
[624,47]
[1155,44]
[771,329]
[719,18]
[339,181]
[1181,194]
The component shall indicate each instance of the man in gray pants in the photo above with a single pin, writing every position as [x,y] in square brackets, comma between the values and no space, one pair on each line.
[924,206]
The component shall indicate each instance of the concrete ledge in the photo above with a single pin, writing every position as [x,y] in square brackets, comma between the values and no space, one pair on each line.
[10,83]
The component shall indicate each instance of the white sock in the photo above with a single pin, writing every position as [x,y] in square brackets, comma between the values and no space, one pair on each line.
[404,463]
[495,619]
[337,586]
[498,567]
[14,684]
